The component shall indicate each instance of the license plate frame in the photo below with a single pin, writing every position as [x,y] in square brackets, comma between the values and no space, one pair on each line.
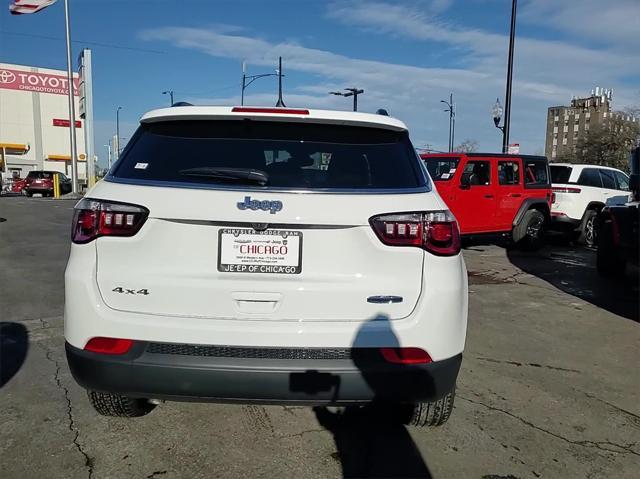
[263,264]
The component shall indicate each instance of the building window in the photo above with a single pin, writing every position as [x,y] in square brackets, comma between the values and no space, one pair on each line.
[586,126]
[564,140]
[587,115]
[566,128]
[604,115]
[555,141]
[575,127]
[556,118]
[555,130]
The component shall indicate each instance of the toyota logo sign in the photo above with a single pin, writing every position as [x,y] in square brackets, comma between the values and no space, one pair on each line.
[7,76]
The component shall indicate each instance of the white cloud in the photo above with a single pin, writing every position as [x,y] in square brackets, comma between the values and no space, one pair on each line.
[546,72]
[614,22]
[536,60]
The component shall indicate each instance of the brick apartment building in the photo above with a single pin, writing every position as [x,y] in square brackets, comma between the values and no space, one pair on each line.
[566,125]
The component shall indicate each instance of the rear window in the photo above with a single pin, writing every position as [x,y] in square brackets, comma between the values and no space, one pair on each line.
[40,175]
[286,155]
[442,168]
[536,174]
[560,174]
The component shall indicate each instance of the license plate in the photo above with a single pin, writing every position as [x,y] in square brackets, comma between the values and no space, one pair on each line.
[250,251]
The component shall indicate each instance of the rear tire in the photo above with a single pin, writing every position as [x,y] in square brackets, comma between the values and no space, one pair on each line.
[115,405]
[529,232]
[588,229]
[432,414]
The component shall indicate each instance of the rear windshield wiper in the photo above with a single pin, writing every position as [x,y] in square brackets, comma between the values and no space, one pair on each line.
[228,174]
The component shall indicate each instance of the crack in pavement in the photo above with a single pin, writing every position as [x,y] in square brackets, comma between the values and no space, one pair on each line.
[300,434]
[155,474]
[635,417]
[533,365]
[88,461]
[606,446]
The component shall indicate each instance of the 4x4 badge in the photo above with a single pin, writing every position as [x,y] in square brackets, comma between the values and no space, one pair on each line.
[248,204]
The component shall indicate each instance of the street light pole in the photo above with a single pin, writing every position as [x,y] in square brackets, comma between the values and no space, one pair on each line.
[354,92]
[507,112]
[452,120]
[251,79]
[170,93]
[117,145]
[72,108]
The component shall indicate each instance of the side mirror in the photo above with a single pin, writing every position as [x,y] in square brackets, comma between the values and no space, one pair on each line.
[465,181]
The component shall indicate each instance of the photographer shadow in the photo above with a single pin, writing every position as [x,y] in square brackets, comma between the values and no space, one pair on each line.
[372,440]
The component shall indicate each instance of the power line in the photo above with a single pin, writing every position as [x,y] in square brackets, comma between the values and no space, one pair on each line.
[97,44]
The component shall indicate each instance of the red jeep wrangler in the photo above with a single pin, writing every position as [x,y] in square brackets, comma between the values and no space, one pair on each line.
[495,193]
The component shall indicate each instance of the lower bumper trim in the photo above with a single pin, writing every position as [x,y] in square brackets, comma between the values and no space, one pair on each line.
[363,378]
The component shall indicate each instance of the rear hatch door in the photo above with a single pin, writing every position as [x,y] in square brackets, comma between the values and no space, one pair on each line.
[298,248]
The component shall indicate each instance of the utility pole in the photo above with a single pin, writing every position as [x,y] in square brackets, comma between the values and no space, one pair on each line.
[170,93]
[451,109]
[280,102]
[354,92]
[108,147]
[117,145]
[507,109]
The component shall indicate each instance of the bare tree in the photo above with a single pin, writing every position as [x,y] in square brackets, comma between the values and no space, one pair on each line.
[467,146]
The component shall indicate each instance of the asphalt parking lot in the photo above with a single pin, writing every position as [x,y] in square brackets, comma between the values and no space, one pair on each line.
[549,386]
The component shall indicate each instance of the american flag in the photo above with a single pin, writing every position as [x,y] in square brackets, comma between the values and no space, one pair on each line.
[19,7]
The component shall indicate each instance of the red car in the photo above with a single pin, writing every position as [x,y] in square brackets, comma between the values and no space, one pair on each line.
[495,193]
[42,182]
[18,185]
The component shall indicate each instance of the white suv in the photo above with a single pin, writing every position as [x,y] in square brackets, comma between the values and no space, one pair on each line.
[266,255]
[580,192]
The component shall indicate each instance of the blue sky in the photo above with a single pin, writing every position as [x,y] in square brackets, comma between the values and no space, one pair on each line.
[407,55]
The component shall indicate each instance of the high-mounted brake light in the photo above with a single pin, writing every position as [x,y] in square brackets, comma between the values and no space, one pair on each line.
[283,111]
[565,189]
[433,231]
[95,218]
[405,355]
[109,345]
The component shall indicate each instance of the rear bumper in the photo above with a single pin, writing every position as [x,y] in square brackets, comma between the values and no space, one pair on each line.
[361,378]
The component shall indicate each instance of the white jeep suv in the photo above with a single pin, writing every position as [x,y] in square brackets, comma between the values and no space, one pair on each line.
[580,192]
[266,255]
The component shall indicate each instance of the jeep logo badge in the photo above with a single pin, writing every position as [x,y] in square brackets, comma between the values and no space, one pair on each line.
[265,205]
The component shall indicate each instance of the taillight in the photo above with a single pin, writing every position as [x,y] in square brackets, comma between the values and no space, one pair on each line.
[566,189]
[405,355]
[433,231]
[615,230]
[95,218]
[109,345]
